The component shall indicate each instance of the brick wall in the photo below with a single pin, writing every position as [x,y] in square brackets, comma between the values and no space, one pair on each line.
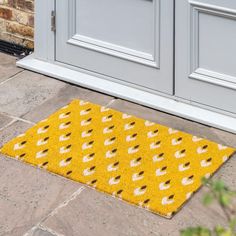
[16,21]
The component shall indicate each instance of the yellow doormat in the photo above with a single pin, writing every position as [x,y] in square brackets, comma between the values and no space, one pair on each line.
[146,164]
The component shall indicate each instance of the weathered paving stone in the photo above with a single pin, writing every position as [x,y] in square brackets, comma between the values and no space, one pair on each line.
[64,96]
[40,232]
[26,91]
[12,131]
[94,213]
[98,98]
[225,137]
[8,67]
[4,120]
[27,195]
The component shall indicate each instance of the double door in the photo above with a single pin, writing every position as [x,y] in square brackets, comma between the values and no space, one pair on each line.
[181,48]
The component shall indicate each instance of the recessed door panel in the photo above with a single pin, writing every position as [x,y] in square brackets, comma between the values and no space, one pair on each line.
[130,27]
[125,40]
[205,52]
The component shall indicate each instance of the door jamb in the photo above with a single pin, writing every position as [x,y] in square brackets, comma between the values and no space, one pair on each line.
[44,37]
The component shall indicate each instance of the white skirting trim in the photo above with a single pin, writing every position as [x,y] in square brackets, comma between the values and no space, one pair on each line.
[123,91]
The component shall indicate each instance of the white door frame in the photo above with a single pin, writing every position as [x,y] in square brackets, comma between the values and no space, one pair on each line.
[43,61]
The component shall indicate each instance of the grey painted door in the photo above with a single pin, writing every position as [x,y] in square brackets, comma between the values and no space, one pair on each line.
[126,40]
[206,52]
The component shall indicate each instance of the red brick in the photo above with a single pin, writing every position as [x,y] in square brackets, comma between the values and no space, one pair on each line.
[22,30]
[12,3]
[5,13]
[29,5]
[21,4]
[31,21]
[26,5]
[29,43]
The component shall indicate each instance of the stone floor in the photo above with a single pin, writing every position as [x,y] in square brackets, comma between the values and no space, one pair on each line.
[36,203]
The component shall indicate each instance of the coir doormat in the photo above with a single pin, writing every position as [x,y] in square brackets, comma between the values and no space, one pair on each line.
[143,163]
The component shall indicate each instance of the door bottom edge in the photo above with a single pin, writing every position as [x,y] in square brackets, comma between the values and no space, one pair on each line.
[169,105]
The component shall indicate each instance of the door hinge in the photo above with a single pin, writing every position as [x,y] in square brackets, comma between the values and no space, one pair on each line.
[53,21]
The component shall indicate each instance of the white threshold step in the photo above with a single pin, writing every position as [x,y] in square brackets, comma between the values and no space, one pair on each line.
[158,102]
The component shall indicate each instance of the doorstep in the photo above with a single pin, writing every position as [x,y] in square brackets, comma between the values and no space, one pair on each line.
[166,104]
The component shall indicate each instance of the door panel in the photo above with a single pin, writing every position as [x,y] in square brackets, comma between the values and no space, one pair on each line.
[206,52]
[127,40]
[123,29]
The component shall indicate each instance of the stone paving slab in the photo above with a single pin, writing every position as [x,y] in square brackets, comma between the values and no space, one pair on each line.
[64,96]
[40,232]
[28,195]
[8,67]
[4,120]
[13,130]
[224,137]
[94,213]
[26,91]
